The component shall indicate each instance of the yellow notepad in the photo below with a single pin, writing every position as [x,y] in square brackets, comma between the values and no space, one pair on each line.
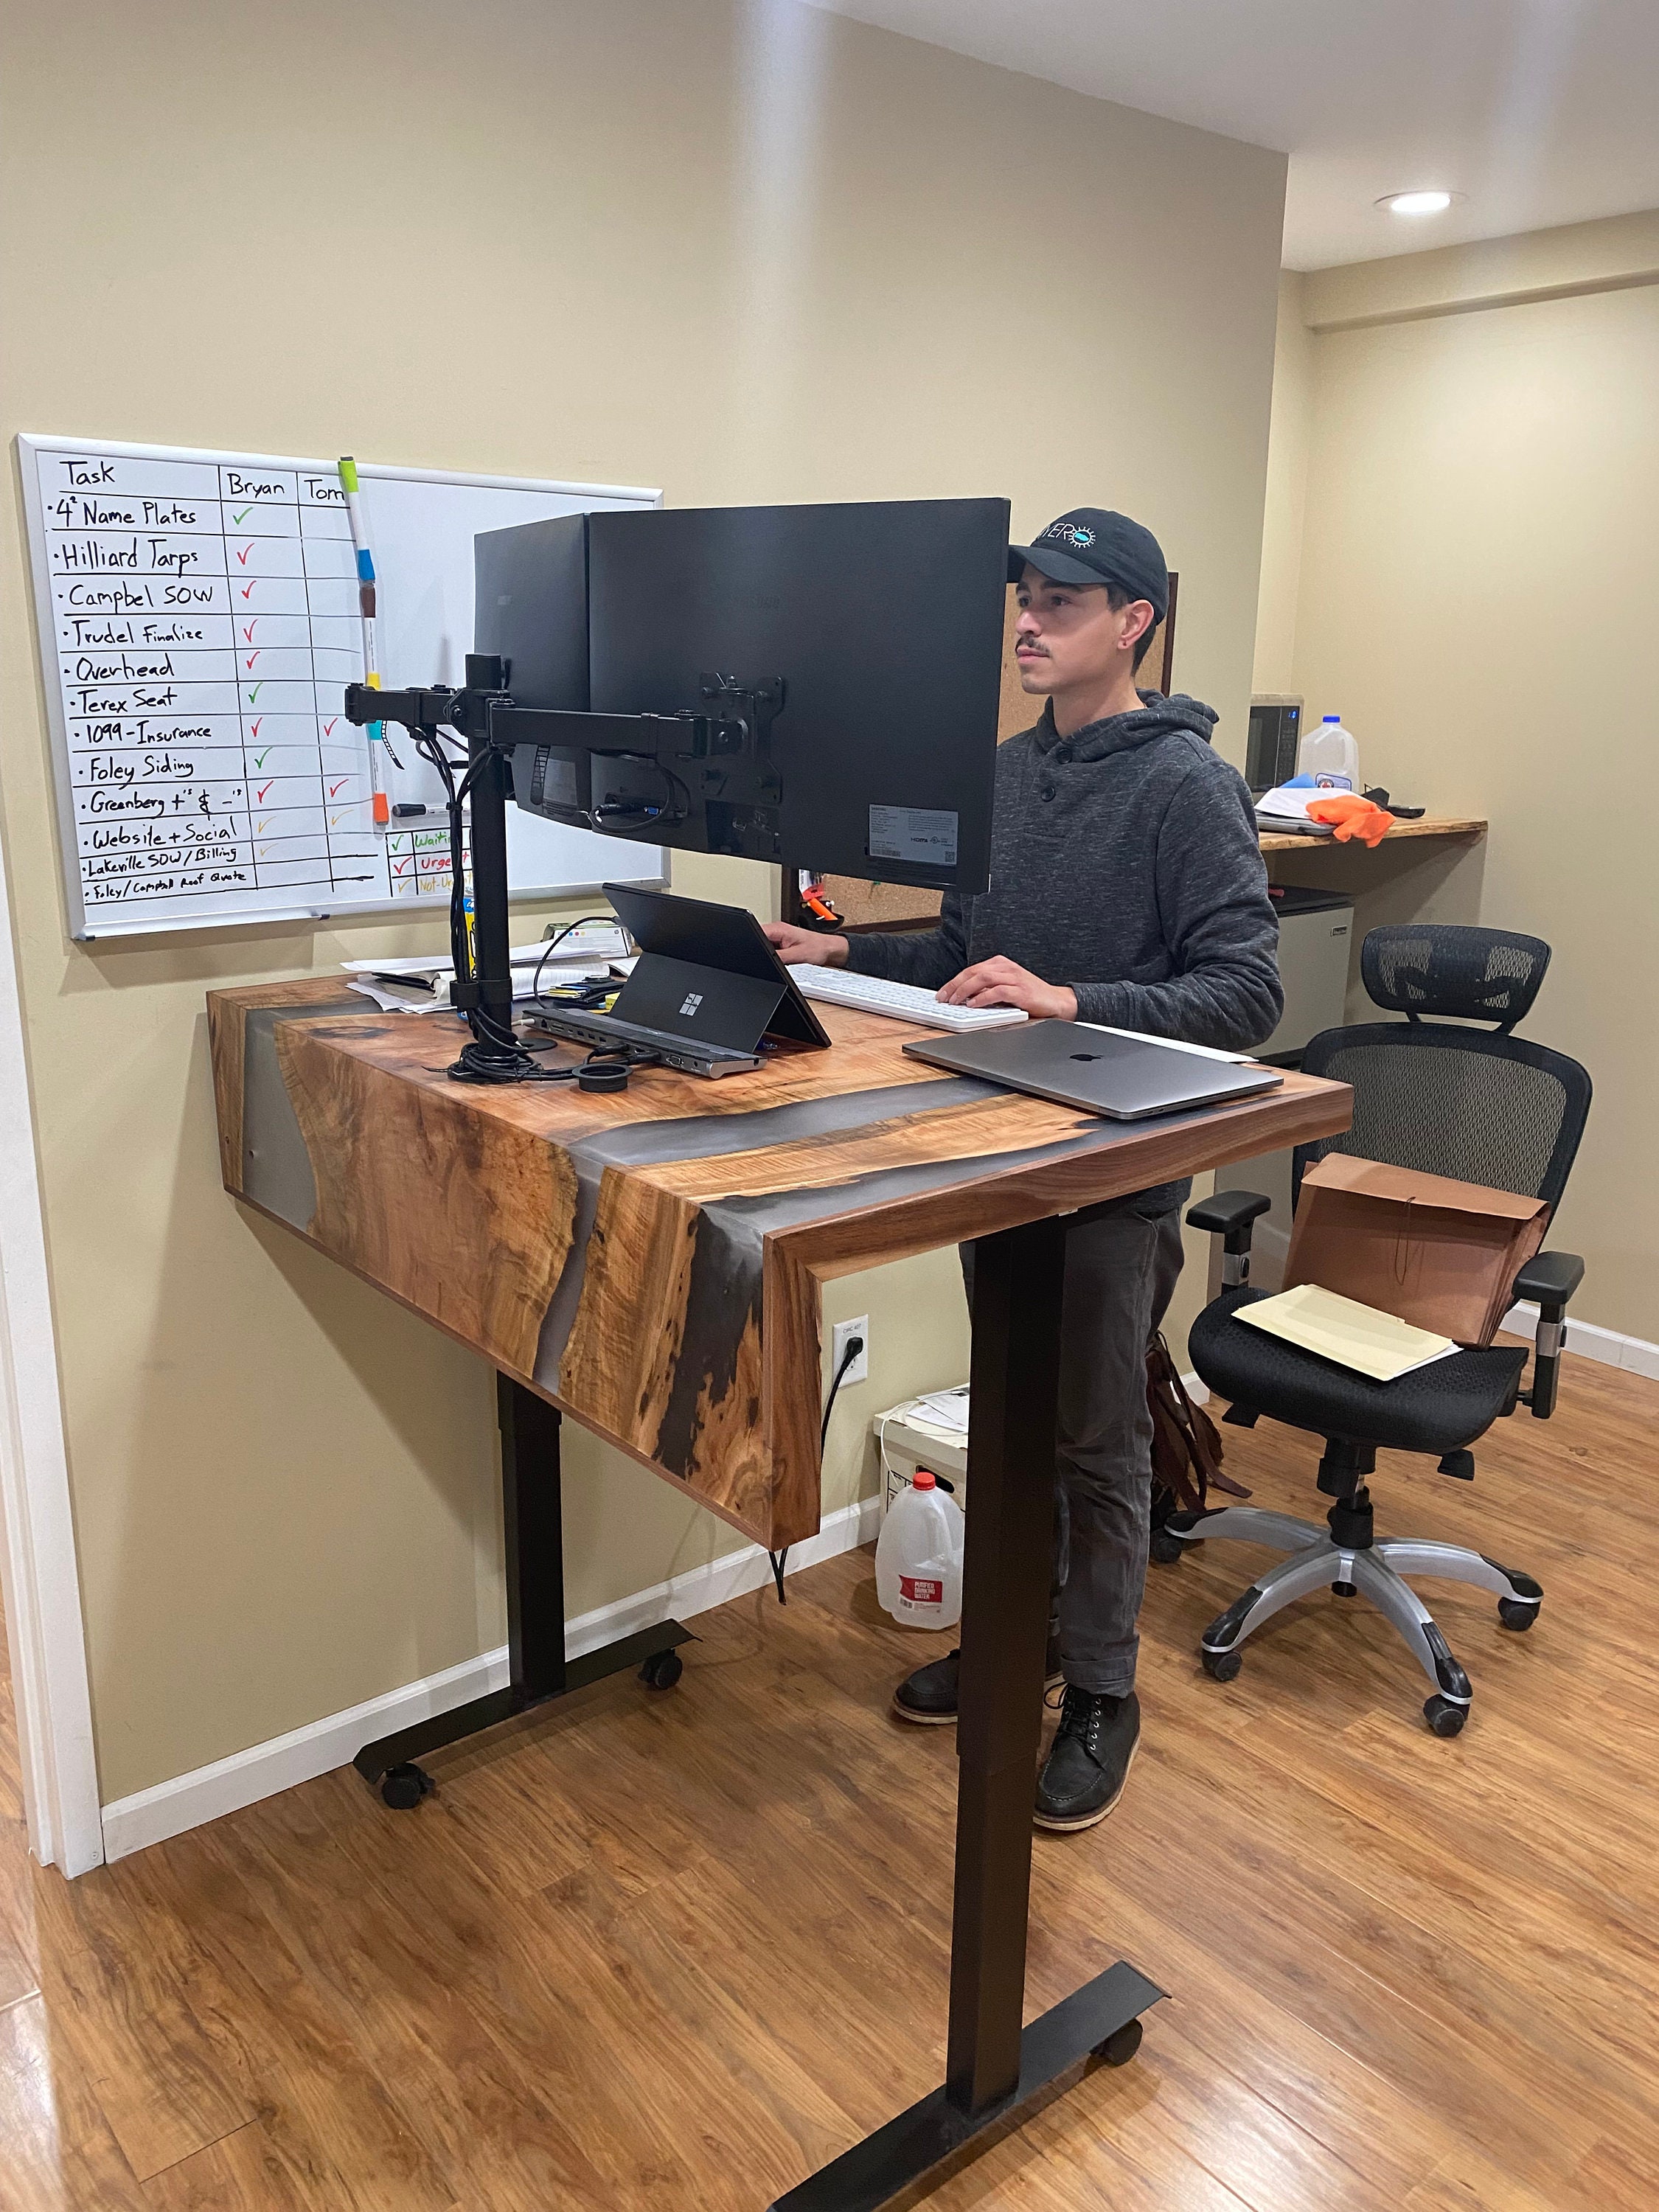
[1372,1343]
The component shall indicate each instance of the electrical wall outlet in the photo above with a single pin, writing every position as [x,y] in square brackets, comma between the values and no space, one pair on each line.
[859,1370]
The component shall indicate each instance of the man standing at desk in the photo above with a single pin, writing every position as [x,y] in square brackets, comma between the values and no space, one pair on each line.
[1127,888]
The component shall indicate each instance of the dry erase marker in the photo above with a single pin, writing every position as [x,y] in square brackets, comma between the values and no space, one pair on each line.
[365,561]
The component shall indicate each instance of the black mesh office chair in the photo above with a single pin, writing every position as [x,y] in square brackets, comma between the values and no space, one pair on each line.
[1486,1107]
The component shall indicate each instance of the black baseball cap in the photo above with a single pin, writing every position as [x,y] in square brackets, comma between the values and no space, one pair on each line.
[1092,545]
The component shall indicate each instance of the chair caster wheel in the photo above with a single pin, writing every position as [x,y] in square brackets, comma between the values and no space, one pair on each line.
[1445,1718]
[1121,2046]
[1517,1613]
[404,1787]
[661,1670]
[1222,1666]
[1165,1548]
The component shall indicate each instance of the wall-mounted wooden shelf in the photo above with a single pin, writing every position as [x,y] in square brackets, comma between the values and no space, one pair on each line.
[1431,825]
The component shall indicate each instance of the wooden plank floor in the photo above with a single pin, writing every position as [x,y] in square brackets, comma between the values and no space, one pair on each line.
[672,1951]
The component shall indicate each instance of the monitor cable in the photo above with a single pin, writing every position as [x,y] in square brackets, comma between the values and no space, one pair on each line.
[850,1351]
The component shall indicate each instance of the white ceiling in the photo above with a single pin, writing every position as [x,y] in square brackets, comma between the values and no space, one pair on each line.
[1540,112]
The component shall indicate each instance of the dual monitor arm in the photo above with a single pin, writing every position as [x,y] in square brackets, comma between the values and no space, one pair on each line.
[704,777]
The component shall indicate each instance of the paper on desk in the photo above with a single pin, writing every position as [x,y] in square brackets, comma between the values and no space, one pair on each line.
[1360,1337]
[1286,808]
[582,946]
[415,999]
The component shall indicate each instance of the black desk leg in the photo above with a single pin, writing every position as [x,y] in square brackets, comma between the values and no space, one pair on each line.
[537,1668]
[993,2068]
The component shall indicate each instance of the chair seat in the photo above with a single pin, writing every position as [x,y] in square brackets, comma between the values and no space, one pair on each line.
[1439,1408]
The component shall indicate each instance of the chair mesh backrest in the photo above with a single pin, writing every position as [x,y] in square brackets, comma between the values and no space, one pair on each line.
[1446,968]
[1481,1107]
[1497,1110]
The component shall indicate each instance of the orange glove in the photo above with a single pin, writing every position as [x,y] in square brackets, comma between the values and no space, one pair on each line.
[1354,816]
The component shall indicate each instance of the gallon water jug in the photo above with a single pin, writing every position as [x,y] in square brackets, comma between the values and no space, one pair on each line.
[1331,755]
[919,1556]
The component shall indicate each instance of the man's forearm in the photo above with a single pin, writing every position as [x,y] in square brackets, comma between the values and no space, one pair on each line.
[1230,1009]
[922,957]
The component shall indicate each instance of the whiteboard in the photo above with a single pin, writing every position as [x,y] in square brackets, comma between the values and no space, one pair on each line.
[197,619]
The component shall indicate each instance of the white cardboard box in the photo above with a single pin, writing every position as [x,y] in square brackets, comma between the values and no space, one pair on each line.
[906,1441]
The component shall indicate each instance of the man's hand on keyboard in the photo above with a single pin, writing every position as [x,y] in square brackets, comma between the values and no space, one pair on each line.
[808,948]
[1001,982]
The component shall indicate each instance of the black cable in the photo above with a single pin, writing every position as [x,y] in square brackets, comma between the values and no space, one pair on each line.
[850,1351]
[580,922]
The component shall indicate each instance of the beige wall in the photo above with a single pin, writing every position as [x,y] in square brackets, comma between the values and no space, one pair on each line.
[746,253]
[1285,513]
[1477,578]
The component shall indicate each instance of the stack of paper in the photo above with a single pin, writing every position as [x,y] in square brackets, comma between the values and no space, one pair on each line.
[420,983]
[1370,1342]
[942,1409]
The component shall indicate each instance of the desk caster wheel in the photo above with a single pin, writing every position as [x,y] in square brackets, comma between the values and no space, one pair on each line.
[1222,1666]
[1165,1548]
[404,1787]
[1445,1718]
[661,1670]
[1120,2047]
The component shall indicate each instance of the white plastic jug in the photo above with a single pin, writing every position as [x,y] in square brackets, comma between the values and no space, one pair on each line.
[919,1556]
[1331,754]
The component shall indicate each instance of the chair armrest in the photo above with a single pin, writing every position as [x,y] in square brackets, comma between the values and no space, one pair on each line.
[1229,1215]
[1551,1277]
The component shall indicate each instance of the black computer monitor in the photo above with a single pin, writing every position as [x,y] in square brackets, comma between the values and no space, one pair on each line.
[883,621]
[530,606]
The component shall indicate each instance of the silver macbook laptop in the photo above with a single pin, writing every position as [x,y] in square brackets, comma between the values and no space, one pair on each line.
[1098,1071]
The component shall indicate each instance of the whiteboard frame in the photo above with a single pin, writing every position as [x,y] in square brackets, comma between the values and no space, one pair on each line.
[30,445]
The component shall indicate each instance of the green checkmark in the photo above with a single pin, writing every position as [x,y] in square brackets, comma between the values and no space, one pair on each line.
[246,512]
[255,692]
[259,759]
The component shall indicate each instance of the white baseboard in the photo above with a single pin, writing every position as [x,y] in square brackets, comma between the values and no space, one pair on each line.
[150,1816]
[1608,1346]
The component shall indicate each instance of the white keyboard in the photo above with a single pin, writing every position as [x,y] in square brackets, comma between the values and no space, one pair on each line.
[904,1002]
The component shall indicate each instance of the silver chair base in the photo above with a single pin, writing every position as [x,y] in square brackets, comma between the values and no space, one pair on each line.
[1315,1560]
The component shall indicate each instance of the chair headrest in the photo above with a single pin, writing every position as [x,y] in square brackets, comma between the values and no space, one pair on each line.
[1447,968]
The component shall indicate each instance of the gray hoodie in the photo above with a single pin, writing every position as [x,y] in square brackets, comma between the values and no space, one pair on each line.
[1124,863]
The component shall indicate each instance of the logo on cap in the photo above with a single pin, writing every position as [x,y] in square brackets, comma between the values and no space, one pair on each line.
[1071,533]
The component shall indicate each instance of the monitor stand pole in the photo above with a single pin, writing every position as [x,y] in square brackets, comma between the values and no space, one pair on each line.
[995,2070]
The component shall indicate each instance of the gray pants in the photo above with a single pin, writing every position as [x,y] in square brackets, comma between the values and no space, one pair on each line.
[1120,1273]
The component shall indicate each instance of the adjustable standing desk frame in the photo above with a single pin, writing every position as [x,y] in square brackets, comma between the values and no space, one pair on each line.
[650,1262]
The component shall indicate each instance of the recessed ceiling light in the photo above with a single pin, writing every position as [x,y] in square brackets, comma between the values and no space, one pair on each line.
[1418,202]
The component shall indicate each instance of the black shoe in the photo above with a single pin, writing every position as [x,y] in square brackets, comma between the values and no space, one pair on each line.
[1089,1761]
[929,1696]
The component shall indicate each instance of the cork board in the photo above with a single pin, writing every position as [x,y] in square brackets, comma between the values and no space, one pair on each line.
[887,906]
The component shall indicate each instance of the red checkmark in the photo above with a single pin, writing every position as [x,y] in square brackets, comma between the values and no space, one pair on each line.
[328,727]
[256,725]
[335,787]
[247,630]
[247,590]
[260,793]
[399,868]
[242,555]
[249,659]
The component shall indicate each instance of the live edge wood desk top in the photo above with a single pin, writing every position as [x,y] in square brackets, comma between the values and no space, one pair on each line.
[650,1260]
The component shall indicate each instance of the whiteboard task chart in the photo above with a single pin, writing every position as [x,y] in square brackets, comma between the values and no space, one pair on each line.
[199,623]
